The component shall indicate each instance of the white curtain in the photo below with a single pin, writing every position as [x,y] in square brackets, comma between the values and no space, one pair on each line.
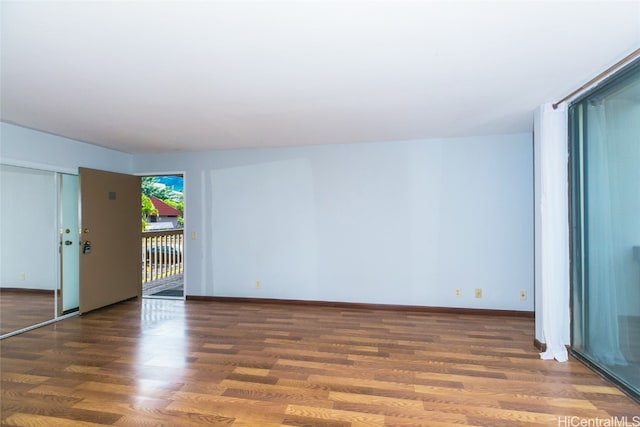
[554,230]
[604,260]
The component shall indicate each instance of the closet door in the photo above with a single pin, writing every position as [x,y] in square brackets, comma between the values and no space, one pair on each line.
[110,247]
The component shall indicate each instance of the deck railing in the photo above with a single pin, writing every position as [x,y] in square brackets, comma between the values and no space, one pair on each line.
[162,254]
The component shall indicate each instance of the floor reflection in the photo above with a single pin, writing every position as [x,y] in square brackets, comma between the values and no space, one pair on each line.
[21,308]
[162,345]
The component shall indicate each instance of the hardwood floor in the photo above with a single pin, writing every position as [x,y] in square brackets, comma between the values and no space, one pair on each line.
[194,363]
[21,308]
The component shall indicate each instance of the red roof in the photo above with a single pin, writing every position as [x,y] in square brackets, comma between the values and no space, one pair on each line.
[163,208]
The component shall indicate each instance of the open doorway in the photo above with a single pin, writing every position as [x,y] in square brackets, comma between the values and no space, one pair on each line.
[162,236]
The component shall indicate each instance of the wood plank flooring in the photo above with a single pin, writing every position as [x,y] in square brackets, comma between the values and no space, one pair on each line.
[195,363]
[23,308]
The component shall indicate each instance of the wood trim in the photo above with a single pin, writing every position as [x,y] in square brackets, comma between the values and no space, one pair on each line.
[28,291]
[543,346]
[366,306]
[540,345]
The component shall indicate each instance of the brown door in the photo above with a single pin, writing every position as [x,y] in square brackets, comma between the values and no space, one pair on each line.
[110,251]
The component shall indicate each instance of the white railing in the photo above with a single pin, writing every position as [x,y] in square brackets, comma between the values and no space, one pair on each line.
[162,254]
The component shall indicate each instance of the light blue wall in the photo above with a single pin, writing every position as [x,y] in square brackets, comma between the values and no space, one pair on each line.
[31,148]
[537,222]
[390,223]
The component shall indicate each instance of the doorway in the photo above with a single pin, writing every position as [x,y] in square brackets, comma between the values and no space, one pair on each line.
[605,201]
[162,201]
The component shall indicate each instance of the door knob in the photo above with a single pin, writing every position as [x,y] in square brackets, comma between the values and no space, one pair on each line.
[68,242]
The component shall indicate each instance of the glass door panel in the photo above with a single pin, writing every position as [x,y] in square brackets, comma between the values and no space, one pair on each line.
[606,229]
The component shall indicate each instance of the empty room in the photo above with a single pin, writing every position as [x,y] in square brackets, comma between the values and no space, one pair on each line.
[371,212]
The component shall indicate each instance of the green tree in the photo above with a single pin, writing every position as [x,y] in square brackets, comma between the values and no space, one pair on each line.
[176,204]
[147,210]
[150,188]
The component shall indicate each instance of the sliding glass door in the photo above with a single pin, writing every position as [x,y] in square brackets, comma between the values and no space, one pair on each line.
[605,224]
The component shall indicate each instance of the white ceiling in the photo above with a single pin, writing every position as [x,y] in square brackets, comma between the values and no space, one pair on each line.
[153,76]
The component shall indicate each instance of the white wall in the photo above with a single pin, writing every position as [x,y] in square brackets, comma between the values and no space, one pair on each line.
[395,223]
[27,229]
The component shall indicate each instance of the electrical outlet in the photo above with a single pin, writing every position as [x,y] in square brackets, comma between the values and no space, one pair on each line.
[258,285]
[523,295]
[458,292]
[23,277]
[193,235]
[478,293]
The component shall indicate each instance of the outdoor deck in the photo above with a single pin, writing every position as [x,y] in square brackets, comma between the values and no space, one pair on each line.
[169,285]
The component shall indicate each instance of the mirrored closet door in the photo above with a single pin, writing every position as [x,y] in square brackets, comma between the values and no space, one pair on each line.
[36,209]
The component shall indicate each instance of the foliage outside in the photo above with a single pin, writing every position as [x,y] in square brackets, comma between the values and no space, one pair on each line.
[147,210]
[151,186]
